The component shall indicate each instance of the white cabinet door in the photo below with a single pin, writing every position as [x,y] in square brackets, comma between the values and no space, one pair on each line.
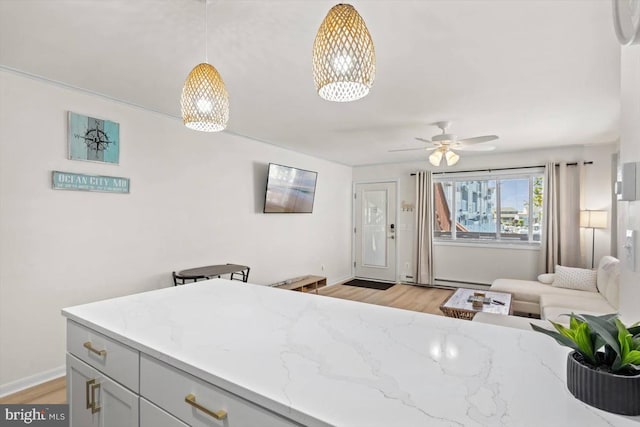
[96,400]
[152,416]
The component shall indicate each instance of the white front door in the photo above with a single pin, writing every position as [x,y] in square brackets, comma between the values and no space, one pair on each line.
[375,231]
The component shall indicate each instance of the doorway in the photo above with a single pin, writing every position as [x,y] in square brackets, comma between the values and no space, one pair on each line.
[375,231]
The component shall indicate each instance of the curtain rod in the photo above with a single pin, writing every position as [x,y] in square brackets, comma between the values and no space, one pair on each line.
[505,169]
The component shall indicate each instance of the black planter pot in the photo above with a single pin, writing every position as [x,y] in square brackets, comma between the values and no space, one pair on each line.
[619,394]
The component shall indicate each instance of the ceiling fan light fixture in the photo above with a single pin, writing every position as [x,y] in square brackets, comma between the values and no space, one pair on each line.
[451,158]
[344,62]
[205,101]
[436,157]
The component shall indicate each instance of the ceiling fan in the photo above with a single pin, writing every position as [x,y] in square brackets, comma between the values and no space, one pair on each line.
[444,144]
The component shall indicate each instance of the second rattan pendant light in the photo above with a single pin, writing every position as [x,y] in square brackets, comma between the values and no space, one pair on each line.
[204,101]
[344,60]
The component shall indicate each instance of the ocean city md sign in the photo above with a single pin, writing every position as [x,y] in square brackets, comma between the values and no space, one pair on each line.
[77,181]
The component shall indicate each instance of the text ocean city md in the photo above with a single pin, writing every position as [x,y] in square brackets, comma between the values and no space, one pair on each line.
[75,181]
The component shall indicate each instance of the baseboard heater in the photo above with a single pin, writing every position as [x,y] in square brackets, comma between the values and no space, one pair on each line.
[461,284]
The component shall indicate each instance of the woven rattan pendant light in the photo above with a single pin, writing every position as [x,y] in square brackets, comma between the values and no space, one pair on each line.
[204,101]
[344,60]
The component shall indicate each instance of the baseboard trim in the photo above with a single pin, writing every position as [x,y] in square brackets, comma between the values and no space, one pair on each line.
[433,286]
[341,281]
[461,284]
[33,380]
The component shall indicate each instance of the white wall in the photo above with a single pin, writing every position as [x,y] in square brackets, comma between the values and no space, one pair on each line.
[598,181]
[482,264]
[629,212]
[196,199]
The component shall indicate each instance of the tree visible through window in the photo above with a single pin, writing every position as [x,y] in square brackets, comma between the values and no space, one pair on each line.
[501,208]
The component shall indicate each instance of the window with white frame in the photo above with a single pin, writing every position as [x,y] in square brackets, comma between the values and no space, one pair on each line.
[500,206]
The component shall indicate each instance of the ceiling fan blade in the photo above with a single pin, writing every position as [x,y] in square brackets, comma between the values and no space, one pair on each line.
[424,140]
[474,147]
[406,149]
[478,139]
[413,149]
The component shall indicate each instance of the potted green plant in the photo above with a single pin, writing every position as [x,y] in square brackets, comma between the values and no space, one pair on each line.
[603,370]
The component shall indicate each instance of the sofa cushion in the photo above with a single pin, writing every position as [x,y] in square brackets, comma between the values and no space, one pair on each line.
[529,290]
[546,278]
[609,279]
[580,279]
[523,290]
[579,300]
[509,321]
[556,313]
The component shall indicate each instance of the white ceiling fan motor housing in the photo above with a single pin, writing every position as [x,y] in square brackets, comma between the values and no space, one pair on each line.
[444,138]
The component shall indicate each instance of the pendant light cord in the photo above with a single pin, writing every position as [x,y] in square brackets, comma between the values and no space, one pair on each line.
[206,39]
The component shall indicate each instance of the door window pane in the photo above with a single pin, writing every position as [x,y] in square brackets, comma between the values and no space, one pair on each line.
[374,232]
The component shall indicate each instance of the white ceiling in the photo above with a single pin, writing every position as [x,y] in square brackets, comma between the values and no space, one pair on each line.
[536,73]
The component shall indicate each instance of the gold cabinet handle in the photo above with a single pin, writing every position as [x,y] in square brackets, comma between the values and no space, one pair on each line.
[94,406]
[90,391]
[86,393]
[218,415]
[89,347]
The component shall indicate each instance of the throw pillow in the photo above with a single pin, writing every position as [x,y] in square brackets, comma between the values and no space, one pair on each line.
[580,279]
[547,278]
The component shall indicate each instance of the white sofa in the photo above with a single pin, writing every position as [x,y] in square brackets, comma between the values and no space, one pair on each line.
[550,302]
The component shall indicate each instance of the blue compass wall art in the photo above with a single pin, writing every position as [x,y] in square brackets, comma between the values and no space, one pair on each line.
[92,139]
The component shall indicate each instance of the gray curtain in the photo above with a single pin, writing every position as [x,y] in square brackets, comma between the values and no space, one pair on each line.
[424,228]
[561,239]
[550,232]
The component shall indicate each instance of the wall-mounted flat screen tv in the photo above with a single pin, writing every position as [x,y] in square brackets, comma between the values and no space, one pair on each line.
[289,190]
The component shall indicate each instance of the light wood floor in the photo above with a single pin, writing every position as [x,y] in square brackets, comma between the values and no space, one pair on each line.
[408,297]
[52,392]
[416,298]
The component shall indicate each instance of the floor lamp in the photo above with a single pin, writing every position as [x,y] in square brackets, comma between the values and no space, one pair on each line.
[593,220]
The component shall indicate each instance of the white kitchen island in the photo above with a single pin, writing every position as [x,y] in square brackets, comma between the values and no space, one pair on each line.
[271,357]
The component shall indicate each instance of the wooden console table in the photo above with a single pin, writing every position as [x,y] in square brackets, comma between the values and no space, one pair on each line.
[303,284]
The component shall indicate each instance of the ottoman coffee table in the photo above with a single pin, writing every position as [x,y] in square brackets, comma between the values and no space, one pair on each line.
[459,306]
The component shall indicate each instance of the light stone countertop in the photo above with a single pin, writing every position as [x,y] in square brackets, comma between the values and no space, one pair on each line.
[325,361]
